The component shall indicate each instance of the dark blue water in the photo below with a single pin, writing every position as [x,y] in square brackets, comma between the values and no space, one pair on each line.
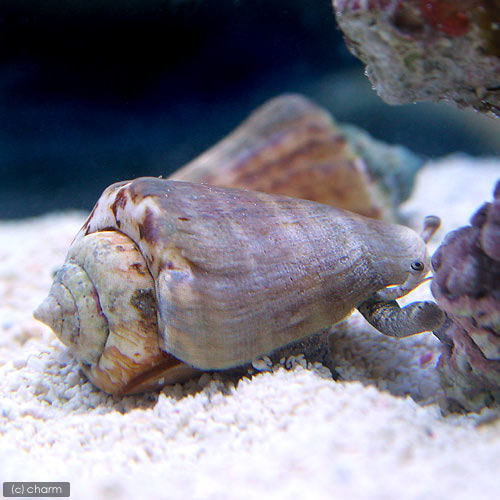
[104,91]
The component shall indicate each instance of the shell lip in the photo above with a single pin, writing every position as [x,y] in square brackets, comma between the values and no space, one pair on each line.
[168,371]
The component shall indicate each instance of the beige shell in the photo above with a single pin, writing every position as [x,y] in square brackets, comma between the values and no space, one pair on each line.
[293,147]
[167,277]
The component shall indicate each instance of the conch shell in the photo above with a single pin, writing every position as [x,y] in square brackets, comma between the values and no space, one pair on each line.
[291,146]
[166,278]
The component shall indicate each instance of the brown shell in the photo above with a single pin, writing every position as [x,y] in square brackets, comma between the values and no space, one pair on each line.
[291,146]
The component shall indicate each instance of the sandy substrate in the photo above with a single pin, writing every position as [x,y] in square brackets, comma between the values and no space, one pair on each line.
[279,434]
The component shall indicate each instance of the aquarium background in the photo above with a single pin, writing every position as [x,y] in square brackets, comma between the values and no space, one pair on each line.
[100,91]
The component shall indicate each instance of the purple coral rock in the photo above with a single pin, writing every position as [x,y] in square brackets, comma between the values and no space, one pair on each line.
[466,286]
[420,50]
[490,237]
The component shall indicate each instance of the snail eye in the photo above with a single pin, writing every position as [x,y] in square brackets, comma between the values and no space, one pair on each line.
[418,265]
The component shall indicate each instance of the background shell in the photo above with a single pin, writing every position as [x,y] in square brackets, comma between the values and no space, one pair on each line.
[292,146]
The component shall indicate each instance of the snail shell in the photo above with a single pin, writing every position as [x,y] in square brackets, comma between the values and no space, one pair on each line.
[168,277]
[291,146]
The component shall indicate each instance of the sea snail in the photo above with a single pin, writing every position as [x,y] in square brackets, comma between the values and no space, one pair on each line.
[166,278]
[292,146]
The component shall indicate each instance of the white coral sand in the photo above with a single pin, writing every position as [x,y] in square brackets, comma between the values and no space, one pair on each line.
[280,434]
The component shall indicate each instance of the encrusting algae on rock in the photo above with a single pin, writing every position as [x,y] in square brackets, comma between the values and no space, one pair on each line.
[427,50]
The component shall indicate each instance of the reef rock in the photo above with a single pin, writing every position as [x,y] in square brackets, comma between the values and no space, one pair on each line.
[421,50]
[466,286]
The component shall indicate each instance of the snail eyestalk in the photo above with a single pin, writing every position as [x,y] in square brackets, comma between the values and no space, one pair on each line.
[431,225]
